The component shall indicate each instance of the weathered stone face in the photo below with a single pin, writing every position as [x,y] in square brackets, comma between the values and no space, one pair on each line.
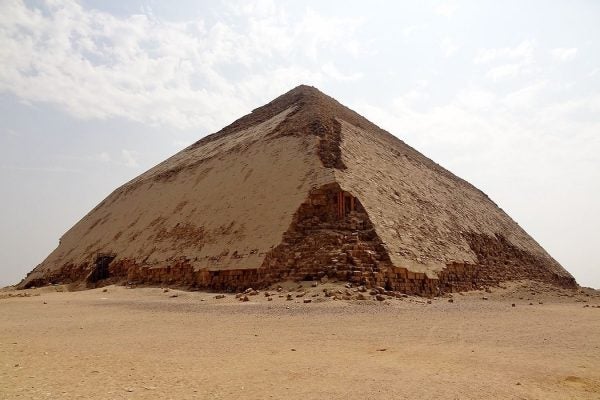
[301,188]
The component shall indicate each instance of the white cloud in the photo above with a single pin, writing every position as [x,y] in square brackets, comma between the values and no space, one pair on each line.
[505,71]
[564,54]
[449,46]
[332,71]
[523,52]
[509,61]
[183,75]
[475,98]
[526,97]
[412,29]
[446,8]
[129,158]
[104,157]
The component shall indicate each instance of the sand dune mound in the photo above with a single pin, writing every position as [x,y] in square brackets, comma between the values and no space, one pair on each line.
[301,188]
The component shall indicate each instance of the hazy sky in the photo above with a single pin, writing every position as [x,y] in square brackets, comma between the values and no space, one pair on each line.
[505,94]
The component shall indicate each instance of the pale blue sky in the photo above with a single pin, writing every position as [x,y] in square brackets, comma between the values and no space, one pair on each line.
[504,94]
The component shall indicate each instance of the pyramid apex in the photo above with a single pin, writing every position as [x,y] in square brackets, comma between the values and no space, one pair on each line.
[302,93]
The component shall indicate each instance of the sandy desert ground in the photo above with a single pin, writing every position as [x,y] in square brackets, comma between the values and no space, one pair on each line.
[148,343]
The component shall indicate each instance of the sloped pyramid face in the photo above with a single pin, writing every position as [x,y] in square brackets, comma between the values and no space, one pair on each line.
[301,188]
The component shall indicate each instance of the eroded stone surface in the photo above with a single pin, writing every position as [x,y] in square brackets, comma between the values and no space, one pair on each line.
[301,188]
[332,237]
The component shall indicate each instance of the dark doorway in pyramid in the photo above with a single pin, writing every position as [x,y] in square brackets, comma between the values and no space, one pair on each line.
[101,270]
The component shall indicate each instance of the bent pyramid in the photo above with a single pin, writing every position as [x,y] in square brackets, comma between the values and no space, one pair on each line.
[301,188]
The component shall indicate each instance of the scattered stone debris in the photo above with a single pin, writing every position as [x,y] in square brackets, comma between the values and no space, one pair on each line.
[307,300]
[25,294]
[220,296]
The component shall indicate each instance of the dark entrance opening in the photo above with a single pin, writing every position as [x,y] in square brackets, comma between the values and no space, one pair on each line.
[100,271]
